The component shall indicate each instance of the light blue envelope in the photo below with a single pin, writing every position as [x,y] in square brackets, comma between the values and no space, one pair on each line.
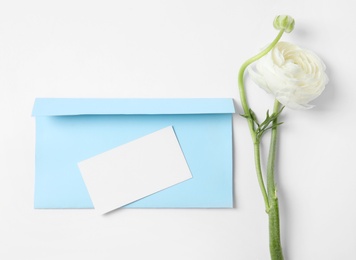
[71,130]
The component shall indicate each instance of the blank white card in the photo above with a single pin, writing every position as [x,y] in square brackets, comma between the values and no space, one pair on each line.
[134,170]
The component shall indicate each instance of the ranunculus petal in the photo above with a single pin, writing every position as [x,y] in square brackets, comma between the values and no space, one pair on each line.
[293,75]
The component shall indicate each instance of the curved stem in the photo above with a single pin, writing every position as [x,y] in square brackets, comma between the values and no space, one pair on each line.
[243,98]
[273,214]
[250,122]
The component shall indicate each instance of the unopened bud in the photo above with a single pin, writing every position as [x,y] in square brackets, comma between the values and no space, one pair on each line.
[284,22]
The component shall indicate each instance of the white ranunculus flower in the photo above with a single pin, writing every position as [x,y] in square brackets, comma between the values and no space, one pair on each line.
[295,76]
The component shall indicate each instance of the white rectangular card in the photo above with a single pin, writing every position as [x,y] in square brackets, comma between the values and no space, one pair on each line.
[134,170]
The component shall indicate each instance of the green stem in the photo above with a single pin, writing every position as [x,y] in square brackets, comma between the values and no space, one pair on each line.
[273,213]
[243,98]
[257,153]
[245,107]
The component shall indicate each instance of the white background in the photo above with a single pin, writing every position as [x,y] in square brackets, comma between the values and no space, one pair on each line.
[186,48]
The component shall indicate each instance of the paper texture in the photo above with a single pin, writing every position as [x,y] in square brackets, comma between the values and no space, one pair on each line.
[134,170]
[69,131]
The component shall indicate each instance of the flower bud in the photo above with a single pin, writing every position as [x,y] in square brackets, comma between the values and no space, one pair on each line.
[284,22]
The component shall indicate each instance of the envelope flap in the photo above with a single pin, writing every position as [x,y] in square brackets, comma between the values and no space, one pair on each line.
[129,106]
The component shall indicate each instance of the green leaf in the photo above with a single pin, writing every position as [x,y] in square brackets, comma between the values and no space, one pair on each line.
[268,123]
